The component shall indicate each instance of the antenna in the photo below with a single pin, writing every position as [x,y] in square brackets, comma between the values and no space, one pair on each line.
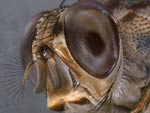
[62,3]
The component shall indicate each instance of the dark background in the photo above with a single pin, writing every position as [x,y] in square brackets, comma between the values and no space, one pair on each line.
[14,15]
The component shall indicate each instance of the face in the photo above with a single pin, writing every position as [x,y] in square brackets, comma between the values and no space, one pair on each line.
[76,53]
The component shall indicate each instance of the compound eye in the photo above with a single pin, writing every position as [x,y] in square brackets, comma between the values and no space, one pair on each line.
[92,37]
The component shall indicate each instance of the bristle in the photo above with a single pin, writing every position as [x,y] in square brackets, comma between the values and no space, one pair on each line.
[14,58]
[12,74]
[12,66]
[10,80]
[16,92]
[14,88]
[13,70]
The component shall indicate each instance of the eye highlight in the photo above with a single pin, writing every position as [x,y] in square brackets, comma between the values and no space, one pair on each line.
[92,38]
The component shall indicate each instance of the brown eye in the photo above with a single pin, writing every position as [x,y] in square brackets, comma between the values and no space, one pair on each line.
[92,37]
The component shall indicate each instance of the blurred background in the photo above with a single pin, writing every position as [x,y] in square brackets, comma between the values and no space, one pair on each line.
[14,16]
